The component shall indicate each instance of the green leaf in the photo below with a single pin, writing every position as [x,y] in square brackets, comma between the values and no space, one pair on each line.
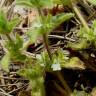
[13,23]
[66,2]
[6,26]
[46,3]
[14,47]
[92,2]
[35,3]
[18,56]
[81,44]
[61,55]
[51,22]
[18,42]
[32,73]
[35,32]
[24,3]
[46,60]
[3,23]
[88,35]
[73,62]
[5,62]
[60,18]
[47,23]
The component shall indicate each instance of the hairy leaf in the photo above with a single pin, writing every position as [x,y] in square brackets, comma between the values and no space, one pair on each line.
[3,23]
[32,71]
[74,62]
[13,23]
[35,3]
[24,3]
[81,44]
[6,26]
[14,47]
[60,18]
[5,62]
[18,42]
[35,32]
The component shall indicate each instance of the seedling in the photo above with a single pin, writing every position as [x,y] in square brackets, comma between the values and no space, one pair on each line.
[35,68]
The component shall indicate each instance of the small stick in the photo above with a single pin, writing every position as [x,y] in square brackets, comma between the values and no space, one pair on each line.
[77,11]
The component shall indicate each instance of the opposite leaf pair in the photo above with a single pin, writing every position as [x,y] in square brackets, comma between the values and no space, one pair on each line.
[49,23]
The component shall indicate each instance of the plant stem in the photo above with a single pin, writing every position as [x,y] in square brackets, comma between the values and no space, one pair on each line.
[45,38]
[77,11]
[64,83]
[60,89]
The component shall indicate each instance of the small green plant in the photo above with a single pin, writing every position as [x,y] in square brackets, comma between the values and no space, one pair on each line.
[13,45]
[35,66]
[85,38]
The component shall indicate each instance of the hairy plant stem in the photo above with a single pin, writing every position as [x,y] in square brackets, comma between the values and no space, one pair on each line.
[77,11]
[45,37]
